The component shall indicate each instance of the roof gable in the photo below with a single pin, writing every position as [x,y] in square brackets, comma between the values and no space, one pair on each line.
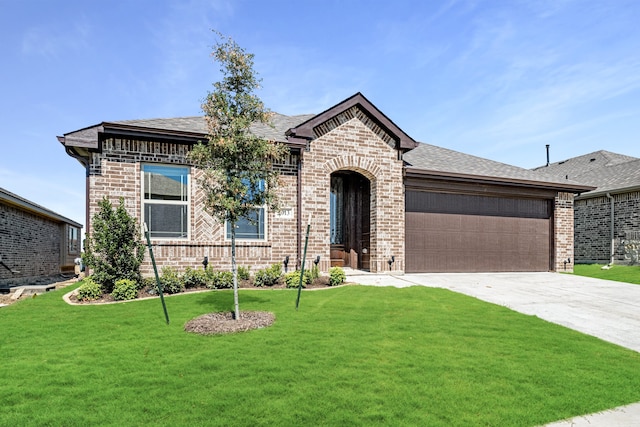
[357,106]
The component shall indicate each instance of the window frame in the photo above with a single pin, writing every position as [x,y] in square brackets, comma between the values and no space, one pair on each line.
[73,240]
[227,230]
[187,203]
[227,234]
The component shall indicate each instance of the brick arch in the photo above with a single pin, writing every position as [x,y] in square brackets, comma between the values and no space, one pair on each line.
[363,165]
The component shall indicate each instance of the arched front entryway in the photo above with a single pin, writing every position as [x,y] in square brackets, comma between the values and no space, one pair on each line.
[350,220]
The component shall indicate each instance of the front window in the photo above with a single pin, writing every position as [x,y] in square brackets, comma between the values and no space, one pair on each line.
[254,227]
[165,202]
[73,240]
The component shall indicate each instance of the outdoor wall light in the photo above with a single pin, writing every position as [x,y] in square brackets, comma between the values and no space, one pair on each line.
[205,262]
[317,260]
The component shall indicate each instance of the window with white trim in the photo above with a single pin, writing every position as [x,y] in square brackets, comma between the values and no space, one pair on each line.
[165,201]
[252,228]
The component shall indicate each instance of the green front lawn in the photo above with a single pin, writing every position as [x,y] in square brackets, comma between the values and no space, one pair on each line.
[619,273]
[350,356]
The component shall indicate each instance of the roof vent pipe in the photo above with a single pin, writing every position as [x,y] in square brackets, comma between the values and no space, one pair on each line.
[547,154]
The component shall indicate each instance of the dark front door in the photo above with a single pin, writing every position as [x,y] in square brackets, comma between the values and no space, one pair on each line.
[350,220]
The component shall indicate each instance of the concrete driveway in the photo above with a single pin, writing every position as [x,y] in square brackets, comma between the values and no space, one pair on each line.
[602,308]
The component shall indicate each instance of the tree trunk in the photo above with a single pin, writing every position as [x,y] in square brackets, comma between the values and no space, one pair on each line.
[234,270]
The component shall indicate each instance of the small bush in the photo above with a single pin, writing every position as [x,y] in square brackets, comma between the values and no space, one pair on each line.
[171,281]
[220,279]
[315,272]
[292,279]
[243,273]
[124,289]
[336,276]
[194,278]
[89,290]
[268,276]
[148,283]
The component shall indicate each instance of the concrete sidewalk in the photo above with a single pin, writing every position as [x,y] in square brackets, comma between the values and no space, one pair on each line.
[605,309]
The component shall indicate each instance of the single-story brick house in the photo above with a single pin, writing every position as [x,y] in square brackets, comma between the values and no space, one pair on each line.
[378,200]
[607,219]
[35,242]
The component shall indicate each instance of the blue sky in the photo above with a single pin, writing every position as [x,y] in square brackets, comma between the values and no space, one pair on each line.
[497,79]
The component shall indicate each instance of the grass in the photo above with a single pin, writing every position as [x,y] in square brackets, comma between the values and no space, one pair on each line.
[619,273]
[350,356]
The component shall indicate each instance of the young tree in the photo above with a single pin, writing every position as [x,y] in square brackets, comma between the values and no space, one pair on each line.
[237,173]
[114,250]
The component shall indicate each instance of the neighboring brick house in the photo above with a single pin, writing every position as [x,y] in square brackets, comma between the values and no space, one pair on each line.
[377,200]
[607,219]
[34,242]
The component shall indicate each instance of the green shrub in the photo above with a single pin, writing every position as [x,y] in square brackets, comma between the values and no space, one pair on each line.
[336,276]
[292,279]
[171,281]
[114,250]
[194,278]
[89,290]
[220,279]
[148,283]
[315,272]
[243,273]
[124,289]
[268,276]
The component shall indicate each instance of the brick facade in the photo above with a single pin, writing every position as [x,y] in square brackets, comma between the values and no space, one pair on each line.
[353,146]
[30,244]
[593,229]
[563,231]
[116,172]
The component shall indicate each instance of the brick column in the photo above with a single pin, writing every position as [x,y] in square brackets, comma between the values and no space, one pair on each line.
[563,232]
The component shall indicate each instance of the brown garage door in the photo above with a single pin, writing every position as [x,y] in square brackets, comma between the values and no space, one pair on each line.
[468,233]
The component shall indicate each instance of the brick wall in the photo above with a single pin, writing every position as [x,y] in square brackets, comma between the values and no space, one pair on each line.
[563,230]
[30,244]
[353,146]
[593,229]
[116,172]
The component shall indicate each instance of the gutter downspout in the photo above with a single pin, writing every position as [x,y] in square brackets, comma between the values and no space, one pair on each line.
[612,230]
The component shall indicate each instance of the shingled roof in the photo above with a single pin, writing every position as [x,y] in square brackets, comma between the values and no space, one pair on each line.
[424,159]
[607,171]
[439,159]
[196,124]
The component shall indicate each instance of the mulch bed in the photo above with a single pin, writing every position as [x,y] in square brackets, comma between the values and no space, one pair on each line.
[320,283]
[225,322]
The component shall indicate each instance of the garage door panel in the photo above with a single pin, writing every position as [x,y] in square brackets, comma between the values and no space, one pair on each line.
[439,242]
